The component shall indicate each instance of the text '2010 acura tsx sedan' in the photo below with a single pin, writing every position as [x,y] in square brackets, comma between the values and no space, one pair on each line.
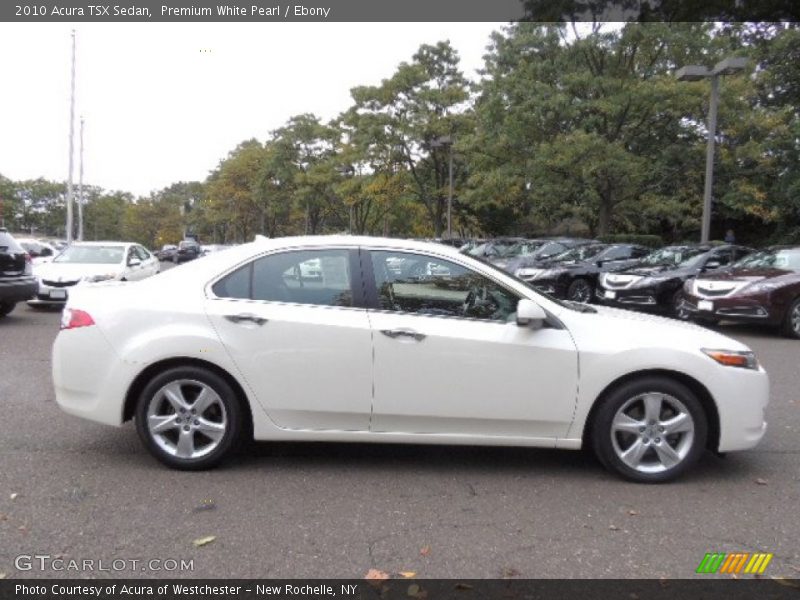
[453,352]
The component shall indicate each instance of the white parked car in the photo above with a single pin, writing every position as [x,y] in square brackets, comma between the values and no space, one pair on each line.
[235,344]
[39,250]
[91,262]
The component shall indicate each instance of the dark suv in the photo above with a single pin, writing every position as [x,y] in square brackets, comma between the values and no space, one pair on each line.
[17,282]
[187,250]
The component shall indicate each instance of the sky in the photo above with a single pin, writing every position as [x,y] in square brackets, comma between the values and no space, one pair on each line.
[166,102]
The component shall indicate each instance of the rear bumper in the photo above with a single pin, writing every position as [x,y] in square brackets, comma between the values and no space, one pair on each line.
[17,289]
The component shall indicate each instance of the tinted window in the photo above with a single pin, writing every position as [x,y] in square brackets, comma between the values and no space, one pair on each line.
[141,252]
[425,285]
[100,255]
[617,253]
[235,285]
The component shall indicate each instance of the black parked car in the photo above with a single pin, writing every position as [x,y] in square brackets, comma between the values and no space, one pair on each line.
[573,274]
[656,282]
[167,252]
[17,282]
[187,250]
[494,248]
[531,253]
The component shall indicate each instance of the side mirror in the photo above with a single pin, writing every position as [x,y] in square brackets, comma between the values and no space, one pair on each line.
[712,264]
[134,262]
[530,314]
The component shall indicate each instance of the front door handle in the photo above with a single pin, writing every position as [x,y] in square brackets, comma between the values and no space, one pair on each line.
[246,317]
[396,333]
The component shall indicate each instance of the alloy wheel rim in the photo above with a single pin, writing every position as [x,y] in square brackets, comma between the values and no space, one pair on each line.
[652,432]
[796,318]
[187,419]
[582,293]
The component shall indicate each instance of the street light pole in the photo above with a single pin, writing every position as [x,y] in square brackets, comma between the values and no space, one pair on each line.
[71,145]
[447,142]
[695,73]
[705,233]
[80,187]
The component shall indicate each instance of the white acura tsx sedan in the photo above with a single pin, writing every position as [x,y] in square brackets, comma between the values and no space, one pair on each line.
[445,350]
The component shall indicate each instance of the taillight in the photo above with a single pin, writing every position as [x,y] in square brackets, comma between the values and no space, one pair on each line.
[73,318]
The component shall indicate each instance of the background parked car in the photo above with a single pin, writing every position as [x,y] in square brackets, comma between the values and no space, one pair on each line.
[573,274]
[656,282]
[39,250]
[90,262]
[167,252]
[187,250]
[531,253]
[17,282]
[763,287]
[495,248]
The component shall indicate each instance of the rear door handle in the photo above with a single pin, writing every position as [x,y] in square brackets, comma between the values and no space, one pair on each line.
[246,317]
[410,333]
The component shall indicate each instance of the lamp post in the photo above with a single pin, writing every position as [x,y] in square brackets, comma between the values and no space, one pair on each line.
[732,64]
[446,141]
[348,171]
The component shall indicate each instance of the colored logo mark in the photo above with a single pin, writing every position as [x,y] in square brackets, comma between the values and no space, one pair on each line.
[735,562]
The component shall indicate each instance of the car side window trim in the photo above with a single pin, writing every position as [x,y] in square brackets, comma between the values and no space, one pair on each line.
[355,277]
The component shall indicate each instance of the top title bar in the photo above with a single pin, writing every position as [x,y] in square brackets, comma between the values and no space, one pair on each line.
[399,10]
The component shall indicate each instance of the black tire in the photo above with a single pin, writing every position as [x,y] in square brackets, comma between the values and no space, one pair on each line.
[610,445]
[678,312]
[791,321]
[706,321]
[580,290]
[228,412]
[6,308]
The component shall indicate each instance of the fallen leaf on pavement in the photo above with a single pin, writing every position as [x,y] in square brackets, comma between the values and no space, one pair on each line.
[204,506]
[13,496]
[425,550]
[408,574]
[510,572]
[613,528]
[376,575]
[414,591]
[199,542]
[760,481]
[785,581]
[633,513]
[2,575]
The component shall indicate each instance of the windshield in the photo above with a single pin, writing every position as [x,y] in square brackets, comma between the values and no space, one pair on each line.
[581,252]
[673,255]
[786,258]
[522,249]
[92,255]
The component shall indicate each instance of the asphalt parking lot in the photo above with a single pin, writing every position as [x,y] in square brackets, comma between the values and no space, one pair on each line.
[73,490]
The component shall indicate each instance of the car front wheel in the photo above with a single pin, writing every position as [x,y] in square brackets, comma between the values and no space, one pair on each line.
[189,418]
[580,290]
[649,430]
[791,323]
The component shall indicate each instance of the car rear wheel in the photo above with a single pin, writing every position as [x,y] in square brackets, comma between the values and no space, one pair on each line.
[649,430]
[580,290]
[6,308]
[189,418]
[791,322]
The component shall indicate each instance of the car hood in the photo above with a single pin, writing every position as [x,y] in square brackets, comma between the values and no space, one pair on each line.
[72,271]
[749,275]
[657,270]
[642,330]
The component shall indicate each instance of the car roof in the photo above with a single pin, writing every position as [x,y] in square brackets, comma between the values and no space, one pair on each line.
[103,243]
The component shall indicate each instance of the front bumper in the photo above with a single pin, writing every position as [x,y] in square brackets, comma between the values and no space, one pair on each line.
[742,397]
[51,293]
[647,298]
[734,308]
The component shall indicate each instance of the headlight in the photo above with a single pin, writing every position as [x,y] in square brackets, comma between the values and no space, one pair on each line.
[759,287]
[548,273]
[529,273]
[96,278]
[733,358]
[647,281]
